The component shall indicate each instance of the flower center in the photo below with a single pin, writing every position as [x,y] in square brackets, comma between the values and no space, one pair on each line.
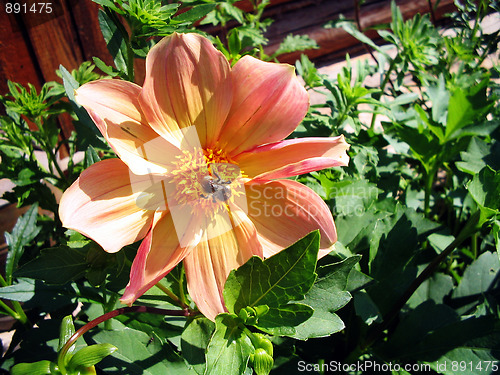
[206,181]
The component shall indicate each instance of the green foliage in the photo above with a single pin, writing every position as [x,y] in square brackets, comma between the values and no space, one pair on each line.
[294,43]
[70,362]
[23,233]
[416,213]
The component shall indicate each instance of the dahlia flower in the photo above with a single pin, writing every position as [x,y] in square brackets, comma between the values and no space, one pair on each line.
[202,168]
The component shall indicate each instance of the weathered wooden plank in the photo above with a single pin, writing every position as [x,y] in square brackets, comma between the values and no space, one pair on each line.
[54,42]
[310,21]
[85,15]
[16,61]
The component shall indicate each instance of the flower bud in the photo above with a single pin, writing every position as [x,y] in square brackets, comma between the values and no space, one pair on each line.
[262,342]
[262,362]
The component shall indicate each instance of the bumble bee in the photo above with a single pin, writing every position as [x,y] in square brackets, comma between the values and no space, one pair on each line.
[217,187]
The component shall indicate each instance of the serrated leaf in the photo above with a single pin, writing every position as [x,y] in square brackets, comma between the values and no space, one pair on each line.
[229,349]
[284,277]
[465,106]
[90,355]
[327,295]
[57,265]
[294,43]
[23,233]
[439,97]
[35,368]
[195,339]
[485,190]
[478,155]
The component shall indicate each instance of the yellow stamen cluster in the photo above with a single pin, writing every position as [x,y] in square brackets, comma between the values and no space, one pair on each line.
[188,173]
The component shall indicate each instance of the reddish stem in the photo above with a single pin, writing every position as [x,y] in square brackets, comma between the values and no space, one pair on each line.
[113,314]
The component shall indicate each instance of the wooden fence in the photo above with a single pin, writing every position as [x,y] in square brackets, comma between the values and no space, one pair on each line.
[32,46]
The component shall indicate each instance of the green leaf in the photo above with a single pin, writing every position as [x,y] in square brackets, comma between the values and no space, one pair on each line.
[115,41]
[230,347]
[392,266]
[417,325]
[351,29]
[471,339]
[327,295]
[195,13]
[90,355]
[195,339]
[23,233]
[70,85]
[23,291]
[109,70]
[66,331]
[485,190]
[350,196]
[434,288]
[283,320]
[479,278]
[293,43]
[472,360]
[465,106]
[35,368]
[109,4]
[139,354]
[431,124]
[91,157]
[307,70]
[439,97]
[284,277]
[57,265]
[478,155]
[365,308]
[154,324]
[495,231]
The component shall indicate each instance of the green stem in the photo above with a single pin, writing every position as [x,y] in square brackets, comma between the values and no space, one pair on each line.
[108,307]
[3,282]
[51,157]
[110,315]
[382,88]
[474,245]
[18,312]
[171,295]
[8,310]
[471,227]
[130,61]
[181,289]
[429,181]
